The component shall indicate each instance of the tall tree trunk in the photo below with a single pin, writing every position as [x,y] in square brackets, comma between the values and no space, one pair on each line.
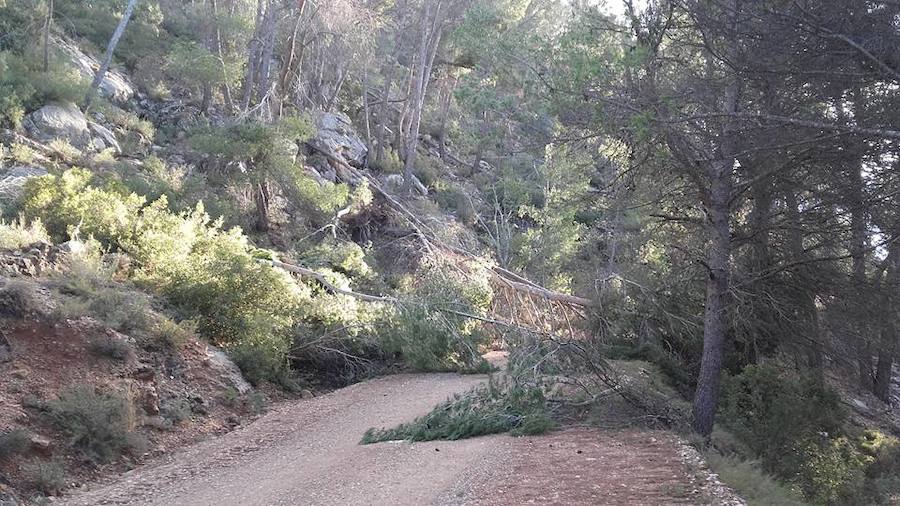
[445,111]
[427,50]
[288,60]
[365,98]
[262,199]
[217,47]
[48,23]
[253,50]
[268,49]
[808,314]
[107,57]
[887,348]
[858,276]
[715,325]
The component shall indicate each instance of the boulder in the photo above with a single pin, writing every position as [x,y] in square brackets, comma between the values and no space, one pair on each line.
[114,86]
[336,137]
[220,363]
[105,136]
[59,121]
[12,182]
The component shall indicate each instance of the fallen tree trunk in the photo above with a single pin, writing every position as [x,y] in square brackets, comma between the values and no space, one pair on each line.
[303,271]
[508,278]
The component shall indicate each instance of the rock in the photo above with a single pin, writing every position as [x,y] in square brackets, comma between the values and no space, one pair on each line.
[105,136]
[394,183]
[306,394]
[12,183]
[114,86]
[73,246]
[41,445]
[8,496]
[6,351]
[220,362]
[860,404]
[59,121]
[336,137]
[144,372]
[20,373]
[149,399]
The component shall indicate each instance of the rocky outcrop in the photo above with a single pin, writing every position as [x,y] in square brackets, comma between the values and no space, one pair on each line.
[30,261]
[12,182]
[103,138]
[336,137]
[219,362]
[59,121]
[115,86]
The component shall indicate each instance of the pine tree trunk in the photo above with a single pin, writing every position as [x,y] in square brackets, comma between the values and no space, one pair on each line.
[858,257]
[887,348]
[48,23]
[706,397]
[107,57]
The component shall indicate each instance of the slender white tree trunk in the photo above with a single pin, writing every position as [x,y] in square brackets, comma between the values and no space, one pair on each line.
[107,57]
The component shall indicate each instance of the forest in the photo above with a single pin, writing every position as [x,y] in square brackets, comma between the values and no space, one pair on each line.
[710,188]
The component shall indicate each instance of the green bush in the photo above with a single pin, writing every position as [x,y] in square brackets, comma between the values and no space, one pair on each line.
[426,329]
[796,426]
[69,205]
[24,86]
[832,471]
[18,299]
[490,409]
[98,424]
[343,256]
[47,477]
[210,275]
[110,346]
[750,482]
[12,443]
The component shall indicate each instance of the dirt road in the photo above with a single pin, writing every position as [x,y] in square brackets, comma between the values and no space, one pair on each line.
[307,453]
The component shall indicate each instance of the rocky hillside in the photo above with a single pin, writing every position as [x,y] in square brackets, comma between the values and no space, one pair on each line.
[105,362]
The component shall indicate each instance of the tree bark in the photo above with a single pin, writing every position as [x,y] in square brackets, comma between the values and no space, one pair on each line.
[718,255]
[48,23]
[887,348]
[808,316]
[217,46]
[253,51]
[427,49]
[858,277]
[107,57]
[262,198]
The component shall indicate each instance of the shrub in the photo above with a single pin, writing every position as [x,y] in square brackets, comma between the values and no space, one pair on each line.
[22,153]
[110,346]
[99,424]
[18,234]
[211,276]
[343,256]
[47,477]
[18,299]
[796,427]
[68,205]
[24,86]
[425,330]
[832,471]
[750,482]
[12,443]
[490,409]
[176,411]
